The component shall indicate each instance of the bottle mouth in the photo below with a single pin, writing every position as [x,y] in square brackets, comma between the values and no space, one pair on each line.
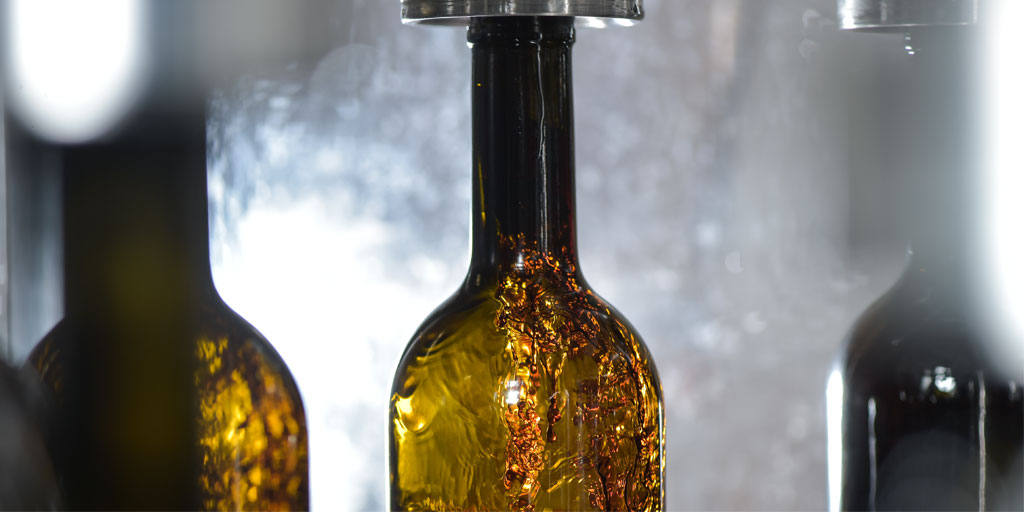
[594,13]
[902,15]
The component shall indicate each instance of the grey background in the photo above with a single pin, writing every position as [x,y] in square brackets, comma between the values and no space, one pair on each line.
[734,203]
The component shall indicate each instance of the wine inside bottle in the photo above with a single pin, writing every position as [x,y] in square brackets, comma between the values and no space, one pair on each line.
[165,398]
[525,390]
[928,421]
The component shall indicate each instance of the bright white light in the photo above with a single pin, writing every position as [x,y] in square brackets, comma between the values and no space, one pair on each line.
[1004,111]
[512,392]
[74,67]
[304,281]
[944,381]
[834,436]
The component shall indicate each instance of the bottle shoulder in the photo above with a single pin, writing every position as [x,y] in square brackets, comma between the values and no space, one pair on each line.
[220,329]
[224,342]
[250,416]
[916,331]
[534,382]
[522,312]
[250,419]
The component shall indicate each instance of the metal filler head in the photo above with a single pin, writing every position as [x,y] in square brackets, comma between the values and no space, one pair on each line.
[902,15]
[596,12]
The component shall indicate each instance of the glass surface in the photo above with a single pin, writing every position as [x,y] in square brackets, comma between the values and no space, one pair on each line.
[525,390]
[29,482]
[531,394]
[162,396]
[931,418]
[250,424]
[928,422]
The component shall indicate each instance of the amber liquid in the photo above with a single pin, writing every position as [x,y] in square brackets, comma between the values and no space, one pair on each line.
[525,390]
[164,397]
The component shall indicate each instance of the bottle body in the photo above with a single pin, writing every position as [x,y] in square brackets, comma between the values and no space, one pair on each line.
[527,393]
[525,390]
[164,398]
[249,421]
[927,423]
[29,482]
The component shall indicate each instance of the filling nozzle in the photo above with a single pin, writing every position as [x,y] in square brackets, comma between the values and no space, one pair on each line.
[904,15]
[597,12]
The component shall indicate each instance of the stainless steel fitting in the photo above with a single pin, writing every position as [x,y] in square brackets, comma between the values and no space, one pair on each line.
[901,15]
[597,12]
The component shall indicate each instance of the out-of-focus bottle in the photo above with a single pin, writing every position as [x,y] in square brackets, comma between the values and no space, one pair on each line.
[921,414]
[29,482]
[163,397]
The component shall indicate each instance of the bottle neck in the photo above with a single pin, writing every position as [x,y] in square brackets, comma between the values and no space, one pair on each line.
[941,151]
[135,218]
[523,154]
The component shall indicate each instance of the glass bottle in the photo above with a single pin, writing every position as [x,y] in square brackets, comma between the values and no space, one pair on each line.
[29,482]
[525,390]
[148,362]
[920,415]
[164,398]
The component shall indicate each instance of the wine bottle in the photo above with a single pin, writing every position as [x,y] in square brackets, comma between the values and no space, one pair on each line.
[149,365]
[525,390]
[923,418]
[29,482]
[164,398]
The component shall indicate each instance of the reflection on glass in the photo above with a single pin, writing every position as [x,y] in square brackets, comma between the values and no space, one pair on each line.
[525,390]
[929,420]
[164,397]
[251,428]
[531,393]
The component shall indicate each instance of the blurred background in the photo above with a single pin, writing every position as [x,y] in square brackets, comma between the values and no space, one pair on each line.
[735,183]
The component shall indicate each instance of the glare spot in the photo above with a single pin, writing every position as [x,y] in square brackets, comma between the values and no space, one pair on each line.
[834,434]
[926,380]
[944,381]
[76,67]
[512,392]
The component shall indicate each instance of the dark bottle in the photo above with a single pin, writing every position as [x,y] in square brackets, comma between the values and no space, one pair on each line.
[28,482]
[164,398]
[921,416]
[525,390]
[148,363]
[154,377]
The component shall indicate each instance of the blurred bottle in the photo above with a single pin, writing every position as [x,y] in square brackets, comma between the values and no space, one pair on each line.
[28,481]
[525,390]
[921,415]
[162,392]
[163,397]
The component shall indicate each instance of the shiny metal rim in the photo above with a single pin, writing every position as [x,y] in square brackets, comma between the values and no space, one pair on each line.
[882,15]
[621,12]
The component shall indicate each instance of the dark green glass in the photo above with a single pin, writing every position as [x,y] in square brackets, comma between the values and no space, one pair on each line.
[929,421]
[525,390]
[165,398]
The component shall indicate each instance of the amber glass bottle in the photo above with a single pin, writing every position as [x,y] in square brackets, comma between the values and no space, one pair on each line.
[926,420]
[165,398]
[525,390]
